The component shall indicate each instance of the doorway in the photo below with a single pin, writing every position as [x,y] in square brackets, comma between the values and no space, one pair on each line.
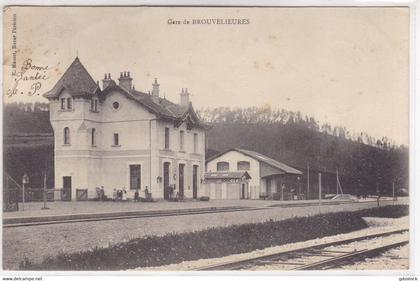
[66,193]
[166,192]
[181,180]
[195,183]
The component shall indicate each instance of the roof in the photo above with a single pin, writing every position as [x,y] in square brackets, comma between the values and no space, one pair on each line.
[226,175]
[76,80]
[159,106]
[261,158]
[151,103]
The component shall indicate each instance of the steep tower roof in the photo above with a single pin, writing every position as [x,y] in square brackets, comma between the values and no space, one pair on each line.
[77,80]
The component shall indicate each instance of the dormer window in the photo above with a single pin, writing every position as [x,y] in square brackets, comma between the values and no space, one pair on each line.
[94,105]
[63,103]
[69,103]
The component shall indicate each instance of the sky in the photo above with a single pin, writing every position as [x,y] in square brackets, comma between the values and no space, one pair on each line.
[346,66]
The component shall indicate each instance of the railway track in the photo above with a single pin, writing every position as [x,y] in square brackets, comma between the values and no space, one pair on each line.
[320,257]
[129,216]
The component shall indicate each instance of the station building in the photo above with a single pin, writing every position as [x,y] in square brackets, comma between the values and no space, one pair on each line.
[268,178]
[116,137]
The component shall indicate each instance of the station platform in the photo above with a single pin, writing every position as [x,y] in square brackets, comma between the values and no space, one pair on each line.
[86,210]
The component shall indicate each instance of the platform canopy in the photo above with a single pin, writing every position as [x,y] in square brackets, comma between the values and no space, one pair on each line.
[226,175]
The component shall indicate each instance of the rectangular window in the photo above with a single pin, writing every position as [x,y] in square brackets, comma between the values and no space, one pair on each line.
[116,140]
[135,177]
[167,138]
[63,103]
[195,142]
[69,103]
[243,166]
[222,166]
[93,137]
[181,140]
[94,105]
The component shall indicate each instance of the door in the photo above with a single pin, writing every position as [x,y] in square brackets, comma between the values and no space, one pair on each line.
[66,189]
[234,191]
[268,188]
[166,166]
[243,191]
[218,192]
[195,183]
[181,180]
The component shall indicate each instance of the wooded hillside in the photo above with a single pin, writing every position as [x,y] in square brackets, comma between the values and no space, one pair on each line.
[298,141]
[286,136]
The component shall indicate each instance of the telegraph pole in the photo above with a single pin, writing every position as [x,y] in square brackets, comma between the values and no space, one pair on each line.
[307,188]
[337,182]
[319,192]
[45,191]
[393,192]
[25,180]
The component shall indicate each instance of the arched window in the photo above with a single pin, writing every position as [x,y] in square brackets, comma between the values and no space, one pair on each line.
[243,166]
[92,137]
[222,166]
[66,135]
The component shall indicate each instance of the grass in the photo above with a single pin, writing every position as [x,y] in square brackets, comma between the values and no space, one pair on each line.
[213,242]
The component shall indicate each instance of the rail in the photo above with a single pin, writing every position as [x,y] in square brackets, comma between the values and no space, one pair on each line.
[267,258]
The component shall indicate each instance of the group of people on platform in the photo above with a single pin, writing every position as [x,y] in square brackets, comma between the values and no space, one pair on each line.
[121,194]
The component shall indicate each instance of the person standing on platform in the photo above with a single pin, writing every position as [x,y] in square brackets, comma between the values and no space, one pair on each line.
[124,194]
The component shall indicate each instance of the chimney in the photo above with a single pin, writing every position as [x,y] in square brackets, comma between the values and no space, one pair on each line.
[125,81]
[185,97]
[106,81]
[155,91]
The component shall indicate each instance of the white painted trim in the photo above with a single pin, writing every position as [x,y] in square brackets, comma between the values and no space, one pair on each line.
[186,158]
[182,161]
[112,105]
[195,162]
[104,122]
[101,157]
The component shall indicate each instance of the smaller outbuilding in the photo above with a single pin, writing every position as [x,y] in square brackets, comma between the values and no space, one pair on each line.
[227,185]
[269,178]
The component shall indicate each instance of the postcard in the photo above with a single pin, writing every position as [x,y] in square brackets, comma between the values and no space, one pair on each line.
[206,138]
